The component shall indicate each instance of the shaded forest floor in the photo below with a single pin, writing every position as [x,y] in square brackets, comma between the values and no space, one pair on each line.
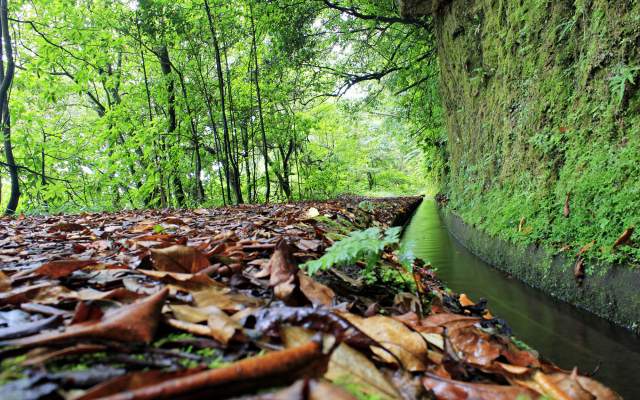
[190,303]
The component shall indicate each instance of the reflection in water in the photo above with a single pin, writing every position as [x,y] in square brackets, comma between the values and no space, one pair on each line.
[567,336]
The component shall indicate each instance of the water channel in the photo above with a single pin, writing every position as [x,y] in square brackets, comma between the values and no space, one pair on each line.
[561,333]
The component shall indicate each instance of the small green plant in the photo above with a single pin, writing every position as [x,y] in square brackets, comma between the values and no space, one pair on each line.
[366,245]
[356,389]
[625,75]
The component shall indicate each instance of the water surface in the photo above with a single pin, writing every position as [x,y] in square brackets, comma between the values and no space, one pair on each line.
[561,333]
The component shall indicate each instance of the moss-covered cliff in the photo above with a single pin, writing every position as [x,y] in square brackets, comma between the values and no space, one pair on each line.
[543,102]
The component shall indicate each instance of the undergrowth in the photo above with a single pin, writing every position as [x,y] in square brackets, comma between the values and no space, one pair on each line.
[366,246]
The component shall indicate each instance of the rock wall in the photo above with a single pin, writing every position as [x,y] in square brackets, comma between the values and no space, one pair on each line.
[543,117]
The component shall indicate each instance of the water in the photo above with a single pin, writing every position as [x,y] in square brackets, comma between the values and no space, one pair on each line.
[561,333]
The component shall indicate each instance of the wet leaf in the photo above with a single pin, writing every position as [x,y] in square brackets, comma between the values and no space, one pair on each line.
[134,381]
[408,346]
[276,368]
[347,363]
[316,292]
[447,389]
[178,258]
[26,329]
[133,323]
[624,237]
[282,271]
[61,268]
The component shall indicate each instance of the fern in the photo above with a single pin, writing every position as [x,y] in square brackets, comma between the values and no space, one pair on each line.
[366,245]
[625,75]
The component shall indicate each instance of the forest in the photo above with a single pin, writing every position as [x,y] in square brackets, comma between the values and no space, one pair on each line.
[152,103]
[319,199]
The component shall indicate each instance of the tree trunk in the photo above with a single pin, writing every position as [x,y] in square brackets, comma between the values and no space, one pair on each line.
[257,81]
[6,78]
[165,65]
[216,139]
[225,124]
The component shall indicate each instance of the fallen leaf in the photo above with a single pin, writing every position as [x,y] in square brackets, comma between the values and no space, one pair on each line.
[311,213]
[67,227]
[133,381]
[273,369]
[282,271]
[61,268]
[317,293]
[178,258]
[224,299]
[566,211]
[345,362]
[465,301]
[624,238]
[221,326]
[309,245]
[134,323]
[29,328]
[448,389]
[409,347]
[5,282]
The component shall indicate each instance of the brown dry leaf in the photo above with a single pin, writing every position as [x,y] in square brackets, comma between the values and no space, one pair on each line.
[465,301]
[346,362]
[221,326]
[408,346]
[133,381]
[61,268]
[475,346]
[567,210]
[578,269]
[132,323]
[119,294]
[43,292]
[624,238]
[5,282]
[317,293]
[224,299]
[563,386]
[282,271]
[196,329]
[447,389]
[309,244]
[67,227]
[178,258]
[273,369]
[479,348]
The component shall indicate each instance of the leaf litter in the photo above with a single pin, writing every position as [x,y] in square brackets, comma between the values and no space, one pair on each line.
[212,303]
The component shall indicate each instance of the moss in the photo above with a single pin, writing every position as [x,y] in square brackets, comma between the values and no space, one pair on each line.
[542,100]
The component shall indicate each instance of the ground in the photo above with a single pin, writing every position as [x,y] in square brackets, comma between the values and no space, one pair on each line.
[164,304]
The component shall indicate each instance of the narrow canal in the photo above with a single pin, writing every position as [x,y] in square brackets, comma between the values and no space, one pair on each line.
[561,333]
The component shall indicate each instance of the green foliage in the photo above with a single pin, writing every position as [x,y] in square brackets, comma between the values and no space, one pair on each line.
[118,104]
[356,389]
[10,369]
[624,76]
[558,115]
[366,245]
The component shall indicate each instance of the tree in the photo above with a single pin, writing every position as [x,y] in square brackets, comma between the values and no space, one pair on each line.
[7,70]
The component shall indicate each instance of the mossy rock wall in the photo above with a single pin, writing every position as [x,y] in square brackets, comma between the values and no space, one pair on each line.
[542,100]
[612,295]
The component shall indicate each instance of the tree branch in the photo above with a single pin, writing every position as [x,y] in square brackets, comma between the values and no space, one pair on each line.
[354,12]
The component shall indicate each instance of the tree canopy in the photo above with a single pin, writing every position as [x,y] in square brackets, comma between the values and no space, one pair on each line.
[157,103]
